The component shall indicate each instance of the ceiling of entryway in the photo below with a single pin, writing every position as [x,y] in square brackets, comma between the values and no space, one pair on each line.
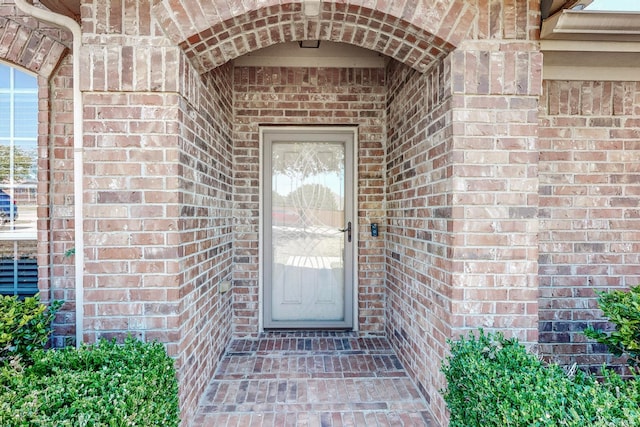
[328,54]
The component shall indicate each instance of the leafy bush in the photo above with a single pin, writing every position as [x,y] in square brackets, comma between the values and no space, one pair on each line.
[103,385]
[25,325]
[493,381]
[623,310]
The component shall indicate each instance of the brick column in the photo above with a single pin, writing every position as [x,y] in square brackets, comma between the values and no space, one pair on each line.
[132,208]
[133,92]
[494,246]
[158,193]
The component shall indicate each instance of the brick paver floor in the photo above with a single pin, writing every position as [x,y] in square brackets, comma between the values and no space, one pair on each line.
[311,379]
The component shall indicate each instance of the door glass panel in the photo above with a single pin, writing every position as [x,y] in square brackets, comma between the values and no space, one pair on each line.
[307,246]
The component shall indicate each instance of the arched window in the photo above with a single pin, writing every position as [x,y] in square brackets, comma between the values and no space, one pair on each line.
[18,178]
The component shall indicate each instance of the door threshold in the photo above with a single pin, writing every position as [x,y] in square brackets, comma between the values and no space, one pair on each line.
[307,333]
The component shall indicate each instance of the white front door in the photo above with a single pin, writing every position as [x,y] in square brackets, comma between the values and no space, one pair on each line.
[308,227]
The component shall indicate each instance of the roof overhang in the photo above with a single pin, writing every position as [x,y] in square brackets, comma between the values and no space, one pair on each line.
[549,7]
[591,45]
[587,25]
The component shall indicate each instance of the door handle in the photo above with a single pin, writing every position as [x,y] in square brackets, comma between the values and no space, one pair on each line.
[348,230]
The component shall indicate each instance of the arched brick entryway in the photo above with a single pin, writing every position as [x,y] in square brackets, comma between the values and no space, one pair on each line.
[464,73]
[413,33]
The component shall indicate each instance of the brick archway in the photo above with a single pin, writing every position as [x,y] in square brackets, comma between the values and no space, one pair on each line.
[412,33]
[29,47]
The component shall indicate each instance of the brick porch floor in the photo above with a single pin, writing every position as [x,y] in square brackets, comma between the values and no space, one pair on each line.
[311,379]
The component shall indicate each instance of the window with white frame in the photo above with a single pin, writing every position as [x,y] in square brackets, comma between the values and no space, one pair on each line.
[18,178]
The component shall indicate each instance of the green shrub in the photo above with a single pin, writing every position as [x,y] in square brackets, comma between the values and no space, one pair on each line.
[623,310]
[25,326]
[102,385]
[493,381]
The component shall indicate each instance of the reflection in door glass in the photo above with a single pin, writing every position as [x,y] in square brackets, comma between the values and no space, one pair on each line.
[18,178]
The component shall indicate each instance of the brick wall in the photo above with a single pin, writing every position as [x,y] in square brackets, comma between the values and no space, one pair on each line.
[589,209]
[56,204]
[132,211]
[308,96]
[206,235]
[157,228]
[462,203]
[496,86]
[419,237]
[158,184]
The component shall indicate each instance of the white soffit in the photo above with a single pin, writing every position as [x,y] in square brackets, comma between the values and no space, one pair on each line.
[591,45]
[329,54]
[592,25]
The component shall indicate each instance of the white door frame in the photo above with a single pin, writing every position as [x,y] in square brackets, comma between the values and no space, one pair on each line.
[354,279]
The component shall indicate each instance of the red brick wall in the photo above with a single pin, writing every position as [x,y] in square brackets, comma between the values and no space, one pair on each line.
[56,204]
[308,96]
[589,209]
[158,185]
[157,228]
[419,234]
[462,204]
[206,234]
[495,186]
